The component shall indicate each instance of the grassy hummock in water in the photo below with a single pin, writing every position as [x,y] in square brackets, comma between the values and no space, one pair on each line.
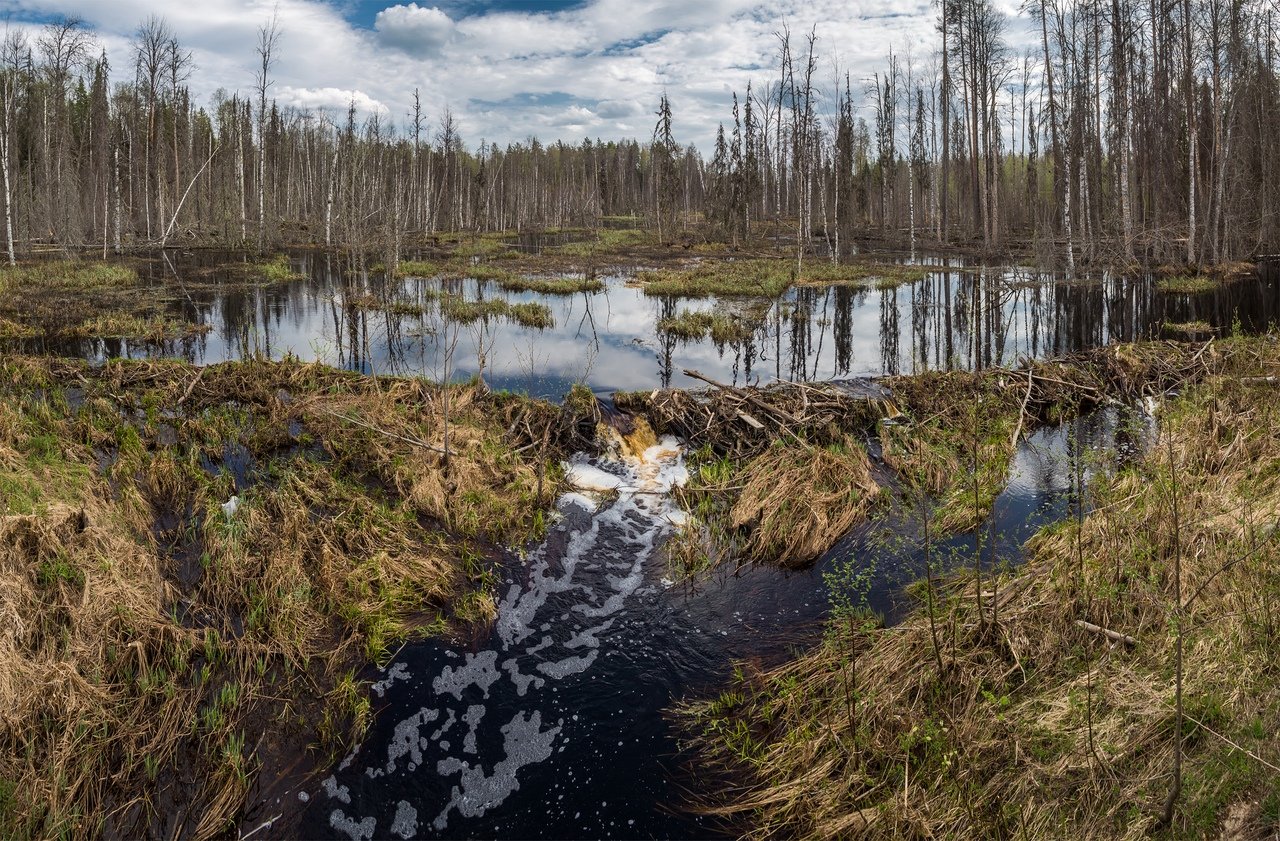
[276,270]
[723,328]
[195,563]
[568,285]
[1187,284]
[64,275]
[1014,719]
[769,278]
[75,299]
[461,310]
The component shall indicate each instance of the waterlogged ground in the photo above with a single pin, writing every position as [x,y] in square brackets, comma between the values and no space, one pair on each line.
[554,725]
[958,316]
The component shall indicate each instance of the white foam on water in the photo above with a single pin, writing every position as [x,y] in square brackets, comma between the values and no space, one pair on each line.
[405,823]
[561,669]
[335,791]
[583,501]
[588,477]
[445,727]
[521,681]
[361,830]
[472,717]
[399,671]
[595,566]
[525,743]
[479,670]
[588,637]
[406,740]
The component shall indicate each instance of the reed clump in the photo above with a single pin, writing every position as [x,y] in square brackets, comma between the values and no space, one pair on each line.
[1050,711]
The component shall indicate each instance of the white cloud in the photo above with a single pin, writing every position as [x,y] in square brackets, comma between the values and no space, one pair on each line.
[417,30]
[329,99]
[594,70]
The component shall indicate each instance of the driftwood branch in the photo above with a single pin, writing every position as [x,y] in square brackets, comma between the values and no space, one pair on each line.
[746,395]
[1107,632]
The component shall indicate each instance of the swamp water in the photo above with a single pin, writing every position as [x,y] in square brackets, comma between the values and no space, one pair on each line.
[959,316]
[556,724]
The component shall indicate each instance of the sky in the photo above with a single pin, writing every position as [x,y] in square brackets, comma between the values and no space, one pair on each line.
[512,69]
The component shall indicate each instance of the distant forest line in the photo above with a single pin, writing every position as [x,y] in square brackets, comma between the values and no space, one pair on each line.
[1133,132]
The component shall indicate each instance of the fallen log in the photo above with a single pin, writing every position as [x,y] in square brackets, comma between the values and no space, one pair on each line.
[1107,632]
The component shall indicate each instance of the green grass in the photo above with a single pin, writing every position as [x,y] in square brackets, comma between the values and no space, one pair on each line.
[67,275]
[607,240]
[1186,284]
[770,278]
[551,285]
[277,270]
[1188,328]
[118,325]
[724,328]
[420,268]
[460,310]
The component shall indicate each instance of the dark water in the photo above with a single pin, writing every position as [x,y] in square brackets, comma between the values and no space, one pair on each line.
[554,726]
[960,316]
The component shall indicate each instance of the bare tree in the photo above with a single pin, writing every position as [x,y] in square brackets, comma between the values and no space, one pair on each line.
[268,37]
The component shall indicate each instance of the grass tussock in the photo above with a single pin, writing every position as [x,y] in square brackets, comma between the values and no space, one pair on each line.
[154,643]
[769,277]
[1190,329]
[276,270]
[74,300]
[66,275]
[568,285]
[610,241]
[798,501]
[1016,721]
[1187,284]
[723,327]
[957,442]
[461,310]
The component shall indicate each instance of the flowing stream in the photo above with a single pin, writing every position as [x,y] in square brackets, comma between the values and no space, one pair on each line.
[555,725]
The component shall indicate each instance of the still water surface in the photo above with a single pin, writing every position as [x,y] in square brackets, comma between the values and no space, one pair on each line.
[960,316]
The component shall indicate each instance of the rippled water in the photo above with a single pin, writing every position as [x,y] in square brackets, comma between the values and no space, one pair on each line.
[554,725]
[960,316]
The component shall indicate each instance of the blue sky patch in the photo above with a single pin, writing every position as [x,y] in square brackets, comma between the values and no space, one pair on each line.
[362,12]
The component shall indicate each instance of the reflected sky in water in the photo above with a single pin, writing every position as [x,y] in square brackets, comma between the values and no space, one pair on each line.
[963,314]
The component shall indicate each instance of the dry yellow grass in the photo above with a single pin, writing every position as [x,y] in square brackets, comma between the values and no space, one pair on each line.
[149,640]
[1037,727]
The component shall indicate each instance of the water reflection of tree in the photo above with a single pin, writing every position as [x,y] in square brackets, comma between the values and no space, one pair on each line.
[666,341]
[889,332]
